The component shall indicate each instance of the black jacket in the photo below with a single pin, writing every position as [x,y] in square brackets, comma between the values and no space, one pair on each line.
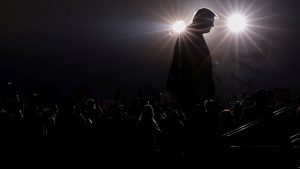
[190,76]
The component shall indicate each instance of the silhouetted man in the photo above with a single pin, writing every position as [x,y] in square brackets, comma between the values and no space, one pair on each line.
[190,76]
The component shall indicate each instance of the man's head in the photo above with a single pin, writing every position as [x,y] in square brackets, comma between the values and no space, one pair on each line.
[203,20]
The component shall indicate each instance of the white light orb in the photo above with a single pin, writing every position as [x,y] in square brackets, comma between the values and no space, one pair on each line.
[178,26]
[237,23]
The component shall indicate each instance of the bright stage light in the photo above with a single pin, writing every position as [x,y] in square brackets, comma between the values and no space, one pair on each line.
[237,23]
[178,26]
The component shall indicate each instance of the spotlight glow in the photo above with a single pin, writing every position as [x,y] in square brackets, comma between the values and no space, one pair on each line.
[178,26]
[237,23]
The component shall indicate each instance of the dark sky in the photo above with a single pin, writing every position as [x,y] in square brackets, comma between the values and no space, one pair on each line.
[123,44]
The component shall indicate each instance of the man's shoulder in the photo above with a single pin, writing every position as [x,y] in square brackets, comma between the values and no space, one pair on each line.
[189,35]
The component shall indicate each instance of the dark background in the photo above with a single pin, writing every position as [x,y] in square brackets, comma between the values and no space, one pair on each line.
[104,45]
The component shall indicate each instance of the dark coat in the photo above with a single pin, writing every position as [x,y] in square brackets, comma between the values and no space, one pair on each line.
[190,76]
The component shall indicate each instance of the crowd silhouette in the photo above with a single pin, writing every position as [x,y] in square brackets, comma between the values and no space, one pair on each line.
[146,132]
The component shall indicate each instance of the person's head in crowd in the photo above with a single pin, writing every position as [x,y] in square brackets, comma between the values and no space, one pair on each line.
[90,104]
[209,105]
[147,113]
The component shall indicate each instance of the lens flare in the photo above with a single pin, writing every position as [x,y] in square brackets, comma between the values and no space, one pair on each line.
[237,23]
[178,26]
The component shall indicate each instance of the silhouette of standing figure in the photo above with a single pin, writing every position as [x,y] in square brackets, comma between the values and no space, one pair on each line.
[190,75]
